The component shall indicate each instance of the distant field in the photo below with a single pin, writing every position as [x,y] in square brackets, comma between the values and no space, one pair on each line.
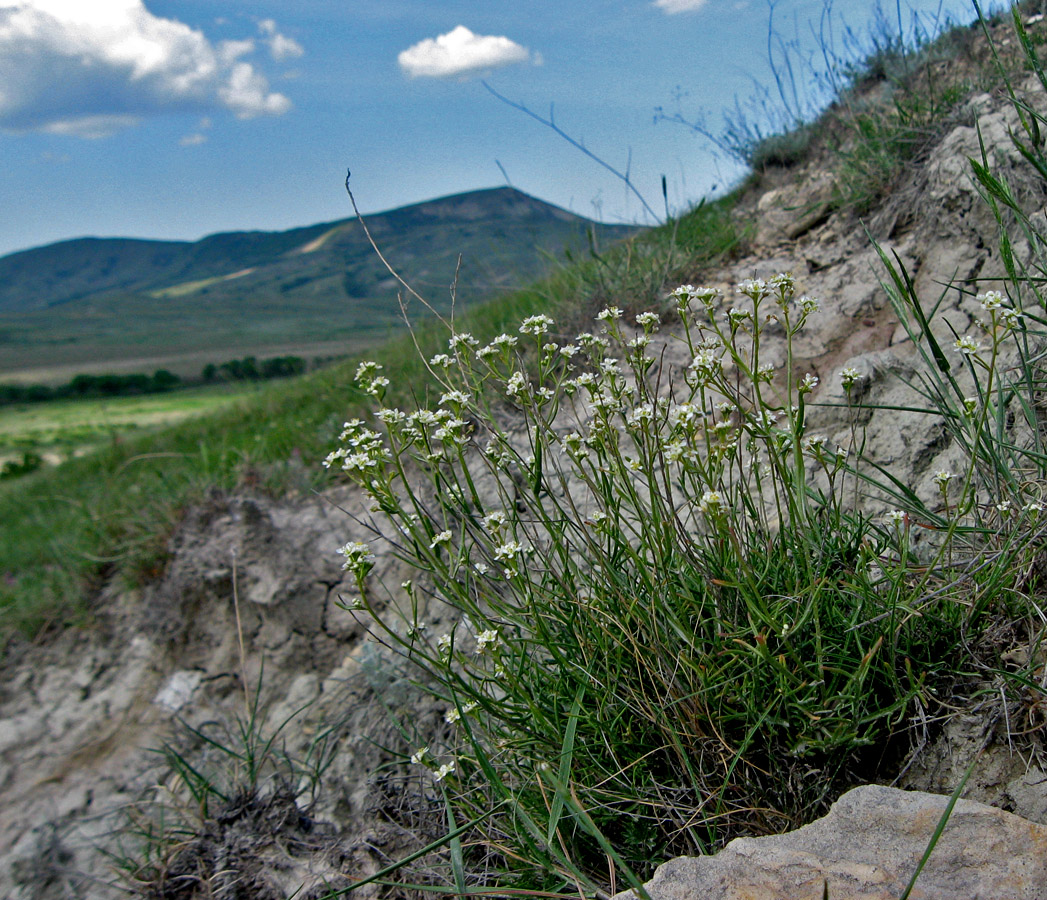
[49,348]
[106,359]
[65,428]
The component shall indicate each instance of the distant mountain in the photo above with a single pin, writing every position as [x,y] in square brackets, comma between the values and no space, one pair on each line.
[111,298]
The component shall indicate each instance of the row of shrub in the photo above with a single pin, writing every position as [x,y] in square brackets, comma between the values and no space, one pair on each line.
[82,387]
[251,369]
[90,386]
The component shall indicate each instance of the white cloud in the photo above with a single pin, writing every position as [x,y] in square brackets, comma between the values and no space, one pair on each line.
[89,126]
[460,52]
[280,45]
[672,7]
[92,68]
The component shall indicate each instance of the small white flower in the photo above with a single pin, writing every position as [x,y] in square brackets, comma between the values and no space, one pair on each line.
[970,406]
[683,295]
[443,644]
[568,350]
[452,715]
[675,451]
[755,288]
[441,359]
[516,384]
[809,383]
[536,325]
[609,314]
[808,305]
[365,372]
[376,385]
[849,376]
[444,770]
[815,444]
[358,557]
[508,551]
[1004,508]
[462,340]
[391,416]
[648,320]
[968,346]
[1033,506]
[942,478]
[642,413]
[1011,318]
[485,639]
[493,521]
[444,537]
[589,341]
[419,756]
[895,518]
[459,398]
[711,503]
[481,568]
[990,300]
[708,296]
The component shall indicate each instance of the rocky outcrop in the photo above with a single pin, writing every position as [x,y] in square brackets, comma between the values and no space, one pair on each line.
[867,848]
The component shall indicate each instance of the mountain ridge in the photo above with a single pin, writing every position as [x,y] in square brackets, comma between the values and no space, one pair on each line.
[213,254]
[91,300]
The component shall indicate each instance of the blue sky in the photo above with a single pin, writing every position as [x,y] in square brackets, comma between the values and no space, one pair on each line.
[180,118]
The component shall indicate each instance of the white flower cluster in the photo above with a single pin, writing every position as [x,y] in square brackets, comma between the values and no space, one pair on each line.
[536,325]
[363,450]
[369,380]
[358,558]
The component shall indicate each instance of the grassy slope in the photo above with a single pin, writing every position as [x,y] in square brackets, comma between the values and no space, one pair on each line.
[66,428]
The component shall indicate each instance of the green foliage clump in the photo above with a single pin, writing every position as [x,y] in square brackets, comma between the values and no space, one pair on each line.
[672,611]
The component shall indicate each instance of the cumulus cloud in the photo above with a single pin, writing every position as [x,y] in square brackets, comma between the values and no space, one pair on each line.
[460,52]
[672,7]
[280,45]
[93,68]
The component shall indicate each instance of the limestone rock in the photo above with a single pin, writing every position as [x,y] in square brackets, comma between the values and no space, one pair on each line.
[787,212]
[867,848]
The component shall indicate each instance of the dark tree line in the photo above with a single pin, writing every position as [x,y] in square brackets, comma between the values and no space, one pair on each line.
[91,386]
[94,386]
[249,369]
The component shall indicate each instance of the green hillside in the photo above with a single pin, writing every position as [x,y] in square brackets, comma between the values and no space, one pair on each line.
[103,303]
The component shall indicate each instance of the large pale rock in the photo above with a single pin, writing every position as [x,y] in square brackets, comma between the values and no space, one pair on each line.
[867,848]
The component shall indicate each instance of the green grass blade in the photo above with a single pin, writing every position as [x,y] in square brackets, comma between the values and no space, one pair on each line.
[564,772]
[942,822]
